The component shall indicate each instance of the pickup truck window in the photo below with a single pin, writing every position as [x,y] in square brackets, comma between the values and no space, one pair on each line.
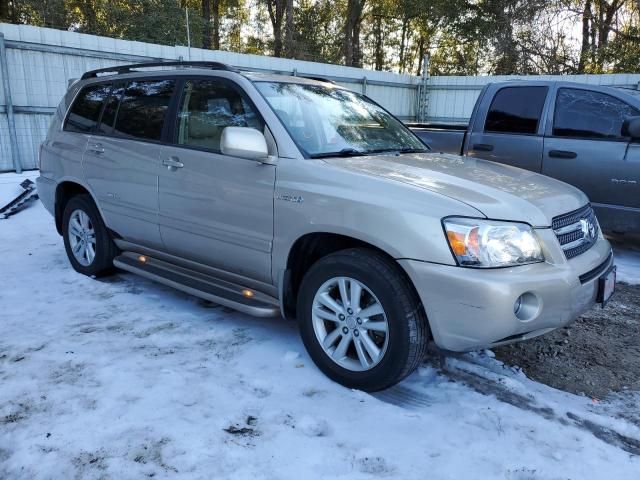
[588,114]
[329,121]
[85,111]
[207,107]
[516,110]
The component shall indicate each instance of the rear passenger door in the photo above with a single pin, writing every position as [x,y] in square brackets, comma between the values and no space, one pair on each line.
[215,209]
[123,157]
[585,147]
[511,131]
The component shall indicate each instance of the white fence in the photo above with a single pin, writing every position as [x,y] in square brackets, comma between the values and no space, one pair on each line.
[37,63]
[451,99]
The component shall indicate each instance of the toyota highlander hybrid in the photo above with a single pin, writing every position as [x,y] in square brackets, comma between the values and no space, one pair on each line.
[274,194]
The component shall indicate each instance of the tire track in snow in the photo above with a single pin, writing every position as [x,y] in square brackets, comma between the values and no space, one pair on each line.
[411,399]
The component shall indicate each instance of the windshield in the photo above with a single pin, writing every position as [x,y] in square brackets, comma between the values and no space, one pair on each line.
[331,122]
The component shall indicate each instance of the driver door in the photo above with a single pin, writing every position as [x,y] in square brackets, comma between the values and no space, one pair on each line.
[586,148]
[215,209]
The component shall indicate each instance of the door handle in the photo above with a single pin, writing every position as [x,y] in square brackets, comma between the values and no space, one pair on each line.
[562,154]
[96,148]
[483,147]
[172,163]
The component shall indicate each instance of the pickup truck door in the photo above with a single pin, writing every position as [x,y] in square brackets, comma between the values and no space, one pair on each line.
[584,147]
[215,209]
[508,129]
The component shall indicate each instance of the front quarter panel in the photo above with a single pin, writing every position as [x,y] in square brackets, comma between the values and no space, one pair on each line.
[312,196]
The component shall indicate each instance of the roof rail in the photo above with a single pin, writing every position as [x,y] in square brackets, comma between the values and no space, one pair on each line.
[134,66]
[317,78]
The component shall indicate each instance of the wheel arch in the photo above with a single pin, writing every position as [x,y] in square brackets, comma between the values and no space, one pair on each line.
[307,250]
[65,191]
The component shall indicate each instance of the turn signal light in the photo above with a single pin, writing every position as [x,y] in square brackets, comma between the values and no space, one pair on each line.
[456,240]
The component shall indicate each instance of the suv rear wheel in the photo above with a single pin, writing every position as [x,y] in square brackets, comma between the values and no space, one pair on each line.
[360,320]
[86,239]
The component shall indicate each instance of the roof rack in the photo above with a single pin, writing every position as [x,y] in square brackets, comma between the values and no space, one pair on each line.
[134,66]
[317,79]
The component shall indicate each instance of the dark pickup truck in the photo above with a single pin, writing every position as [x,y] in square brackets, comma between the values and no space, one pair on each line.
[585,135]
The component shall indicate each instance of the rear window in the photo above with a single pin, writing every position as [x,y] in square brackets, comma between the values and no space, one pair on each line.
[143,108]
[85,111]
[516,110]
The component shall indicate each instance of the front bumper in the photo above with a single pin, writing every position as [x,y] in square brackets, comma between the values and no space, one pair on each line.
[470,309]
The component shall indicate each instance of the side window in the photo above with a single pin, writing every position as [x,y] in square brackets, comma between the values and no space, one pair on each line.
[587,114]
[110,110]
[85,111]
[142,110]
[207,107]
[516,110]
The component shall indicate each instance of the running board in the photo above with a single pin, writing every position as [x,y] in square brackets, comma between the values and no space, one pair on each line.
[200,285]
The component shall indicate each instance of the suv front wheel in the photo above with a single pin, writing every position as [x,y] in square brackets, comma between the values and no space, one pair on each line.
[361,320]
[86,239]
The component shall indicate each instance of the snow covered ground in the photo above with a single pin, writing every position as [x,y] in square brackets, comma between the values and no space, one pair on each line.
[123,378]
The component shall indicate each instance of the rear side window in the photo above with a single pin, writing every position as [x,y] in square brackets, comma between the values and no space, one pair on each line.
[85,111]
[110,110]
[143,108]
[587,114]
[516,110]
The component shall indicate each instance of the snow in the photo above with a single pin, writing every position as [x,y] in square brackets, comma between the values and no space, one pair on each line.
[626,250]
[124,378]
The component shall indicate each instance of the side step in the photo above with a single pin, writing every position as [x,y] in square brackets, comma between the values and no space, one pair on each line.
[200,285]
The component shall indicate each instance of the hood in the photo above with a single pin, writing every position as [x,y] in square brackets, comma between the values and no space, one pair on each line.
[498,191]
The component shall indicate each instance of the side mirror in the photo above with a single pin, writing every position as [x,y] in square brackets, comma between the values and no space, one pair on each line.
[244,142]
[631,128]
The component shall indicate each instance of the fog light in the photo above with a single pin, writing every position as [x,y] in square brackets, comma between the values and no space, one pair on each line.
[527,306]
[517,306]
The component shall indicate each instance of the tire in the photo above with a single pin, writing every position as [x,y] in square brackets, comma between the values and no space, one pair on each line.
[384,288]
[82,210]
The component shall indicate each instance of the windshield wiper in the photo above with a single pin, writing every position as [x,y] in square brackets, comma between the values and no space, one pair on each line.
[345,152]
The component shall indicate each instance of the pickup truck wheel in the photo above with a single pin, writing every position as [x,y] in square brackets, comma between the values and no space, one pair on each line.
[361,320]
[86,239]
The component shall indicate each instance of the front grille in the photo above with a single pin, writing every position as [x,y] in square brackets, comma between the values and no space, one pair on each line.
[577,231]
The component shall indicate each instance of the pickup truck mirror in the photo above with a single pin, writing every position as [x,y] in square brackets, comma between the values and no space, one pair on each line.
[244,142]
[631,128]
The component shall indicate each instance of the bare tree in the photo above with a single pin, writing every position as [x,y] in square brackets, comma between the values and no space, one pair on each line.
[281,11]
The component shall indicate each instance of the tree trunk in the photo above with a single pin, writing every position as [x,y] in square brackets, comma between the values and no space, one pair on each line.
[584,51]
[378,52]
[275,9]
[4,10]
[216,24]
[206,31]
[351,43]
[288,30]
[421,43]
[403,41]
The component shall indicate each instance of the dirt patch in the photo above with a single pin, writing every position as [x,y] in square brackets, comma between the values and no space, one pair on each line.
[596,355]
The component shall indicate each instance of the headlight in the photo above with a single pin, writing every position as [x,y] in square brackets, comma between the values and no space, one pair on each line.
[486,243]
